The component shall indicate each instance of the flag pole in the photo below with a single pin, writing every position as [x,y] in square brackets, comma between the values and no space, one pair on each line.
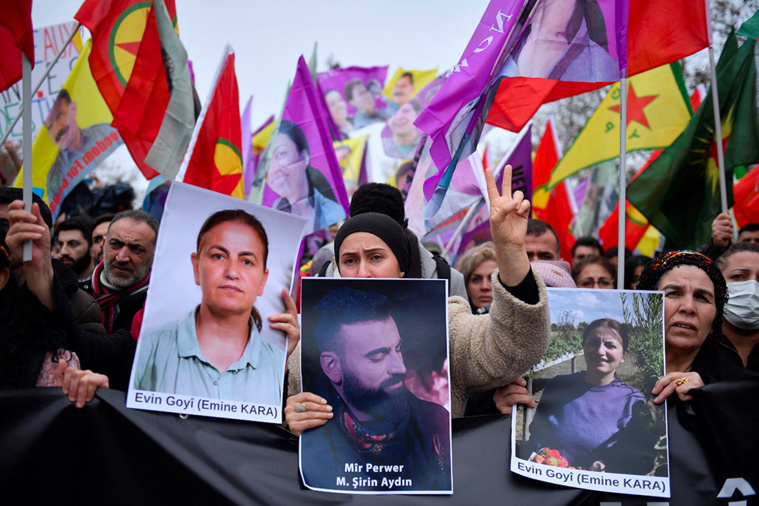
[474,207]
[26,93]
[42,79]
[622,203]
[717,116]
[462,226]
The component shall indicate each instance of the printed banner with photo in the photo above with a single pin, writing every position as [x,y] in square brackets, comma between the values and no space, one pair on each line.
[595,425]
[48,41]
[377,351]
[206,346]
[354,96]
[304,177]
[75,137]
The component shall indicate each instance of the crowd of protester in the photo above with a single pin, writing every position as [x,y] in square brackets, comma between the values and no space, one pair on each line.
[72,314]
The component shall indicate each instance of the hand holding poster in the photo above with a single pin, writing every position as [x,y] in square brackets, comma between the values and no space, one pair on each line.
[597,429]
[211,349]
[383,370]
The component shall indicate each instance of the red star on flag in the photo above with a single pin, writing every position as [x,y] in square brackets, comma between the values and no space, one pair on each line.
[635,106]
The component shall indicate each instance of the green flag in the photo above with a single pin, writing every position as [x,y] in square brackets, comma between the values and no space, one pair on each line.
[679,192]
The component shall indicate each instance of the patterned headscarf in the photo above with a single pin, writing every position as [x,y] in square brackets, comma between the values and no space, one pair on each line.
[654,270]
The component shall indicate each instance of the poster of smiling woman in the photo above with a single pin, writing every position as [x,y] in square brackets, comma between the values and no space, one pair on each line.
[213,339]
[595,425]
[304,177]
[377,351]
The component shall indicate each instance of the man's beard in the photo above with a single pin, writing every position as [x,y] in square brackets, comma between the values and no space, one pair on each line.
[389,406]
[79,265]
[123,283]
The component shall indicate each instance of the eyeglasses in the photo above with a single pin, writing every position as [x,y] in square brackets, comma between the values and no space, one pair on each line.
[596,282]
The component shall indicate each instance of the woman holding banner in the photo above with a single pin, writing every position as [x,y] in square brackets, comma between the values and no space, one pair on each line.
[485,351]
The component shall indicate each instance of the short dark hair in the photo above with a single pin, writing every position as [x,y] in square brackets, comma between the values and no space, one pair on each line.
[612,324]
[295,133]
[593,259]
[237,216]
[750,227]
[537,227]
[739,247]
[590,242]
[409,75]
[344,306]
[8,194]
[379,198]
[632,263]
[107,217]
[80,222]
[137,215]
[350,85]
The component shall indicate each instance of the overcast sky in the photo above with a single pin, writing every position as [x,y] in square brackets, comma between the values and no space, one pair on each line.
[268,37]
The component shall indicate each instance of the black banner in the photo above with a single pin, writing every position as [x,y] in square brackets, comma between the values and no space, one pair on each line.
[52,452]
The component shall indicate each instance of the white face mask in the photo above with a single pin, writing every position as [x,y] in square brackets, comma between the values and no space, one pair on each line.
[742,308]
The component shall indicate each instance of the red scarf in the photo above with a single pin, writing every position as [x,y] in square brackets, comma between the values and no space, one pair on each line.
[108,300]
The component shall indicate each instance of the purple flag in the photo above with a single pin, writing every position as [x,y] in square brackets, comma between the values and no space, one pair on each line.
[450,118]
[304,177]
[354,96]
[248,169]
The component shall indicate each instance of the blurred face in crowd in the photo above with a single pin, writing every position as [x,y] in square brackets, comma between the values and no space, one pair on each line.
[595,276]
[479,288]
[128,252]
[75,251]
[98,238]
[741,266]
[749,236]
[542,247]
[584,251]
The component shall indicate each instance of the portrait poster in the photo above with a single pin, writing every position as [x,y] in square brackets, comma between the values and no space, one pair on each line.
[228,278]
[377,351]
[304,177]
[354,96]
[596,426]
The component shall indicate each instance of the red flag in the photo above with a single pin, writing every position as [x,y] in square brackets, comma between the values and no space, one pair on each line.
[16,38]
[117,28]
[746,194]
[552,207]
[657,33]
[214,158]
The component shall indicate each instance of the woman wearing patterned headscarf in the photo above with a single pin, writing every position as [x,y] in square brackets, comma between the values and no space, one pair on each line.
[694,299]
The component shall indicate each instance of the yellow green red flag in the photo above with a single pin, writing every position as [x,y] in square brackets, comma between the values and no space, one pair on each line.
[658,111]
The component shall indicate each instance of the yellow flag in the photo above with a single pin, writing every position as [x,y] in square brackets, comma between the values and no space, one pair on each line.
[350,155]
[658,110]
[75,138]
